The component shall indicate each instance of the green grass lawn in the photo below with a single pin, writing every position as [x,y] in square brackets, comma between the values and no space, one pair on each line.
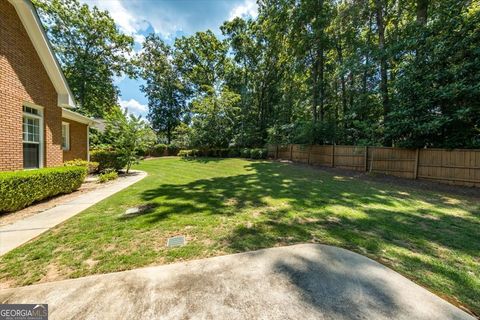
[233,205]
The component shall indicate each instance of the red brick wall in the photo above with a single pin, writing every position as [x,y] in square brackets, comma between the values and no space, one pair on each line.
[78,141]
[23,78]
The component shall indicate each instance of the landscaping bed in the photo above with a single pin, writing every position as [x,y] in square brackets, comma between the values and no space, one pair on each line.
[224,206]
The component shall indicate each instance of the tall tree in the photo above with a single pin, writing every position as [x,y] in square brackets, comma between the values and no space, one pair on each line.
[380,8]
[164,88]
[91,51]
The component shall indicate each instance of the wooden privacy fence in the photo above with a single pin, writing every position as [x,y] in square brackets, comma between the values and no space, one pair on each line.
[457,166]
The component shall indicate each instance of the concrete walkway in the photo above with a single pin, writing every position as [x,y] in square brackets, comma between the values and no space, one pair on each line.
[297,282]
[19,232]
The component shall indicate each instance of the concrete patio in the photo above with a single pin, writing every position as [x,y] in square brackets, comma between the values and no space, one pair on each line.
[297,282]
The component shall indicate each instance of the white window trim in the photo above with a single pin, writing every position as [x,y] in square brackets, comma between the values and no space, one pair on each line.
[67,138]
[41,146]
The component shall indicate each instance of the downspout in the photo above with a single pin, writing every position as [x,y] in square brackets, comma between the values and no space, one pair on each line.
[88,142]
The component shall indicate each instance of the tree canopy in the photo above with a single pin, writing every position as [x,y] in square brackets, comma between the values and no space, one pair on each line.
[380,72]
[377,72]
[91,51]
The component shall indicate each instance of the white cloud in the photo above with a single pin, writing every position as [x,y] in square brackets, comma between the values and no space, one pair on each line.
[246,9]
[125,20]
[133,106]
[125,14]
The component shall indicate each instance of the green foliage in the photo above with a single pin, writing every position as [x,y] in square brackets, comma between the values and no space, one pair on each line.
[19,189]
[130,136]
[161,149]
[256,153]
[90,165]
[108,159]
[245,153]
[91,51]
[188,153]
[165,91]
[345,72]
[107,176]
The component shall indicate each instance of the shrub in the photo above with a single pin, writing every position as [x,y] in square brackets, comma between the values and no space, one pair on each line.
[258,153]
[107,176]
[245,153]
[91,166]
[108,159]
[233,152]
[19,189]
[172,150]
[188,153]
[158,150]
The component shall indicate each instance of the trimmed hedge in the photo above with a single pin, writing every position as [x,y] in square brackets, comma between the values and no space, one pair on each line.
[91,166]
[256,153]
[161,150]
[19,189]
[107,159]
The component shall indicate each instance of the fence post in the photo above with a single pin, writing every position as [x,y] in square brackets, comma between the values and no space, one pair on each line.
[276,152]
[415,169]
[291,152]
[333,155]
[366,158]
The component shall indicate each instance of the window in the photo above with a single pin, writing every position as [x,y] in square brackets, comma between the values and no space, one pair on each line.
[65,136]
[32,137]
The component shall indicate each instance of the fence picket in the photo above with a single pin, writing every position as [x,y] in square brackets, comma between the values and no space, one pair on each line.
[460,167]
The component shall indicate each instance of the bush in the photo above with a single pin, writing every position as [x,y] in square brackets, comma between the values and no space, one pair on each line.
[258,153]
[189,153]
[158,150]
[108,159]
[107,176]
[91,166]
[161,150]
[245,153]
[19,189]
[172,150]
[233,152]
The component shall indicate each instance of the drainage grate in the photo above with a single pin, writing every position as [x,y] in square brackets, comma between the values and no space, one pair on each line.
[176,241]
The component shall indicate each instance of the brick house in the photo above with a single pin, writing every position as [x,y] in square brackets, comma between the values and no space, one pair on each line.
[38,127]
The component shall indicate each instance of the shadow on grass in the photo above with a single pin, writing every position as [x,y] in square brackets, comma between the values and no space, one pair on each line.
[323,201]
[202,159]
[340,210]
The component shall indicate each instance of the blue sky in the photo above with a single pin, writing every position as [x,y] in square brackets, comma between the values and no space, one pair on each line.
[169,19]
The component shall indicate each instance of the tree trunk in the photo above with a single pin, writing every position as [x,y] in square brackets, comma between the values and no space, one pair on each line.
[383,66]
[315,97]
[322,84]
[422,12]
[343,86]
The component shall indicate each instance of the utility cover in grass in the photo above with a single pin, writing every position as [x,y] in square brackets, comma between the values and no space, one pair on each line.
[176,241]
[133,210]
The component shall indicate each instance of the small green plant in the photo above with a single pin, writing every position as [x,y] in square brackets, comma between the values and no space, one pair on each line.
[90,165]
[107,176]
